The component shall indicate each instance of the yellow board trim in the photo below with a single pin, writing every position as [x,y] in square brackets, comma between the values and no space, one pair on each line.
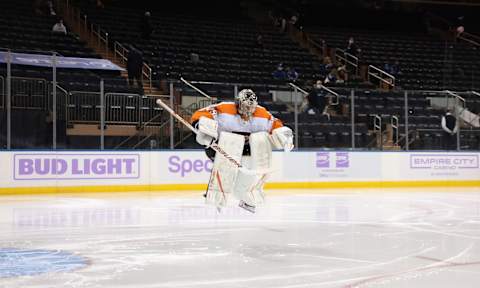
[278,185]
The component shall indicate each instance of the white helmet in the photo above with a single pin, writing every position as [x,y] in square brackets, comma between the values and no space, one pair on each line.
[246,101]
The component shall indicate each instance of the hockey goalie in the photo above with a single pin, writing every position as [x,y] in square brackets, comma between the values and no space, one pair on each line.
[248,133]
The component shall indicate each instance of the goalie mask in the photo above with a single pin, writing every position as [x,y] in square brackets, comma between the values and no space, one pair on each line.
[246,101]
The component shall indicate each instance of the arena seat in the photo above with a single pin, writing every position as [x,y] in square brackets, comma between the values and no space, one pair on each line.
[225,45]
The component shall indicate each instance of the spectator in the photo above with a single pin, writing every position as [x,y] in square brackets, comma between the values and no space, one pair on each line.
[146,28]
[450,128]
[280,73]
[283,24]
[332,77]
[460,30]
[134,67]
[100,4]
[42,7]
[396,68]
[37,7]
[393,69]
[195,58]
[272,16]
[292,74]
[275,18]
[59,27]
[387,67]
[316,99]
[459,26]
[328,64]
[293,19]
[51,11]
[342,74]
[352,47]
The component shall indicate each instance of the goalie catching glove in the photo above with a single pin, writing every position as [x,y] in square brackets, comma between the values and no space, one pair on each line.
[282,138]
[207,131]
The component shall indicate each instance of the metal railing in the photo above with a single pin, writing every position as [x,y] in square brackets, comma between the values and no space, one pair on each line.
[141,112]
[190,109]
[30,93]
[470,38]
[2,91]
[382,76]
[394,124]
[377,129]
[335,95]
[298,88]
[460,104]
[347,58]
[149,128]
[101,37]
[195,88]
[407,139]
[183,132]
[62,96]
[298,110]
[234,85]
[122,53]
[122,108]
[315,43]
[476,118]
[475,93]
[83,107]
[149,110]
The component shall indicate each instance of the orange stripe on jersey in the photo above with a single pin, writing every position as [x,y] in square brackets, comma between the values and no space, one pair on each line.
[261,112]
[276,124]
[201,113]
[226,107]
[230,108]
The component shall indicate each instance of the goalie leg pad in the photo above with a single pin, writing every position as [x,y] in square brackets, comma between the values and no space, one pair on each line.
[224,173]
[248,187]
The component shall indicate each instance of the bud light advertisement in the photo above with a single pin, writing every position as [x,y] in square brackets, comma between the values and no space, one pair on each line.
[56,166]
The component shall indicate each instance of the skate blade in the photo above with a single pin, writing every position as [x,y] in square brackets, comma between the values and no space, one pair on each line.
[247,207]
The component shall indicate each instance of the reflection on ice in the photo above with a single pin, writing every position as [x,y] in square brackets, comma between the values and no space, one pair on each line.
[298,239]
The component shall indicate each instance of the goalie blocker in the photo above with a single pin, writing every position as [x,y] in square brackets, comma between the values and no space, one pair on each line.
[248,133]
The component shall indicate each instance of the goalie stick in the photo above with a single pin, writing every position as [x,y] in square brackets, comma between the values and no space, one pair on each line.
[214,146]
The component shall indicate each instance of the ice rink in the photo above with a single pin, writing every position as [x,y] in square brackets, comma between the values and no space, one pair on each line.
[300,238]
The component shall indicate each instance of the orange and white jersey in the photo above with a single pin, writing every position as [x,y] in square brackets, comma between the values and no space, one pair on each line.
[225,113]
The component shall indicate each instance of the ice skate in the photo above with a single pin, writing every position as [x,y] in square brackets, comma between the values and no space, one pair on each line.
[247,207]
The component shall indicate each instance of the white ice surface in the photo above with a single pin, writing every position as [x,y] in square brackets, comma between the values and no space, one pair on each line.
[378,238]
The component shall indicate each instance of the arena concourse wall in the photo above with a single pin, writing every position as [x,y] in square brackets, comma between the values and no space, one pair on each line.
[29,172]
